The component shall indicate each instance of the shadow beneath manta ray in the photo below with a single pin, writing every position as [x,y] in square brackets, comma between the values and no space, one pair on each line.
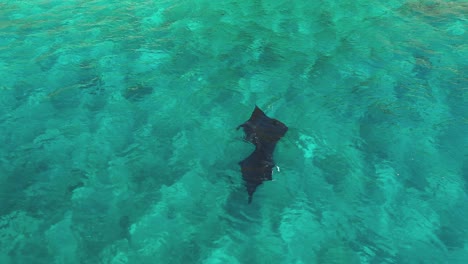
[264,133]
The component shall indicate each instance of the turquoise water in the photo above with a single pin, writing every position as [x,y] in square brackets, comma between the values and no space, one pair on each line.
[118,140]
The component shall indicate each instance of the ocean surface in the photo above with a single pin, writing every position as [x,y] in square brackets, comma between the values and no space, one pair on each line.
[118,140]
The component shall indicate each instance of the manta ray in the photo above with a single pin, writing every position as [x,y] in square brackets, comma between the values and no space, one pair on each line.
[264,133]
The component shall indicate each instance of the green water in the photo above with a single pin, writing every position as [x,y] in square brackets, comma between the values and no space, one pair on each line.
[118,140]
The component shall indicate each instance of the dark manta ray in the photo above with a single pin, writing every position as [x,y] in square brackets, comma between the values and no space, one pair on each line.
[264,133]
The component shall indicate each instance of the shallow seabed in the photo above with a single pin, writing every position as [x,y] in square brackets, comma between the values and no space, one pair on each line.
[118,140]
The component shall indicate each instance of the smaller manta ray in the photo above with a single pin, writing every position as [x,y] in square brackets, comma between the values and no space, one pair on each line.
[264,133]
